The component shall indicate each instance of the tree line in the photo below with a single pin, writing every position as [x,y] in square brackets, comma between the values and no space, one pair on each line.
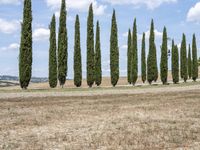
[185,63]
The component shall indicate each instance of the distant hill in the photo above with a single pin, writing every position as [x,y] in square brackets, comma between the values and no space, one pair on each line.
[14,78]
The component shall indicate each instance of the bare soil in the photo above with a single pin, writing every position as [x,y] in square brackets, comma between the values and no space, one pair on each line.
[156,117]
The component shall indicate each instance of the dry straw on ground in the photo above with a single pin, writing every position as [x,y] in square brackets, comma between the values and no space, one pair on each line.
[158,118]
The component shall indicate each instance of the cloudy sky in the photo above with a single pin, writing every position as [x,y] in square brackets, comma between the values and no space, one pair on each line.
[177,15]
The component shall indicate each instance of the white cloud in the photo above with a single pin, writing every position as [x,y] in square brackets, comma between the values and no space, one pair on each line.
[99,9]
[69,18]
[193,14]
[125,34]
[81,5]
[179,46]
[41,34]
[124,47]
[13,46]
[57,14]
[8,27]
[151,4]
[157,33]
[12,2]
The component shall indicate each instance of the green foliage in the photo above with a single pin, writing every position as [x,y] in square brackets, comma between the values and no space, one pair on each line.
[129,56]
[195,70]
[175,63]
[25,55]
[90,49]
[77,55]
[143,60]
[114,52]
[164,58]
[53,54]
[152,68]
[134,69]
[98,71]
[184,71]
[189,63]
[199,61]
[62,46]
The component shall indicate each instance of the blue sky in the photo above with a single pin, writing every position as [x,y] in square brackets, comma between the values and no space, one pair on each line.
[177,15]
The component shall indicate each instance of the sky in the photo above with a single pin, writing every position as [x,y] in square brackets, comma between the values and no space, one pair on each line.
[179,16]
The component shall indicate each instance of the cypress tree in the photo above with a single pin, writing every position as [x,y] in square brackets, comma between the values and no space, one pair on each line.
[90,49]
[25,55]
[77,55]
[98,70]
[114,52]
[143,60]
[164,58]
[195,70]
[62,46]
[152,70]
[129,56]
[175,63]
[134,69]
[184,71]
[189,63]
[52,54]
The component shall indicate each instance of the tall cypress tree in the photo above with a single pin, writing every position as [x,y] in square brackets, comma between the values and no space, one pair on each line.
[53,54]
[134,69]
[62,46]
[25,55]
[189,63]
[175,63]
[129,56]
[184,71]
[90,49]
[77,55]
[195,70]
[143,60]
[98,71]
[114,52]
[152,68]
[164,58]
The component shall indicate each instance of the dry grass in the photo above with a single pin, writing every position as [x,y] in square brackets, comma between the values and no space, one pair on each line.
[170,120]
[106,82]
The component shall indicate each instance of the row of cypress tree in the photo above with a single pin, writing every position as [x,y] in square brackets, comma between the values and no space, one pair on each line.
[58,54]
[149,69]
[58,58]
[188,63]
[94,72]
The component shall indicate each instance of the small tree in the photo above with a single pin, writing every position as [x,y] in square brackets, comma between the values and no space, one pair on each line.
[152,69]
[195,70]
[114,52]
[77,55]
[90,49]
[175,63]
[25,55]
[98,70]
[189,63]
[134,69]
[129,56]
[143,60]
[62,46]
[184,71]
[53,54]
[164,58]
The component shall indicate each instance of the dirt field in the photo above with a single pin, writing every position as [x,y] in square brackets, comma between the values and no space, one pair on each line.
[156,117]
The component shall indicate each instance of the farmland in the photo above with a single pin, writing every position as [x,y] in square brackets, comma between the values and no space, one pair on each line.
[125,117]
